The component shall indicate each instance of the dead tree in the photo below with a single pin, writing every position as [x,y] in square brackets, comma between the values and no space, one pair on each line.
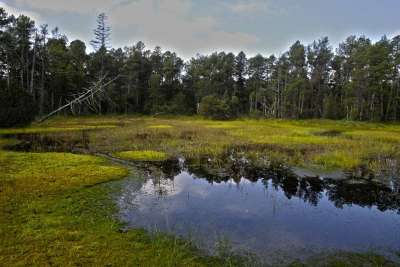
[90,97]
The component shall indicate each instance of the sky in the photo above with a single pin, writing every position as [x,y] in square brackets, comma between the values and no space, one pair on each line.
[191,27]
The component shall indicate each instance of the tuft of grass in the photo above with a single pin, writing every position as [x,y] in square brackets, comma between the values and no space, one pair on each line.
[142,155]
[337,159]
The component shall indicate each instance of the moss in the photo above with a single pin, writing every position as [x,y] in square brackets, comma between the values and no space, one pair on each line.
[300,142]
[337,159]
[160,126]
[57,211]
[7,142]
[142,155]
[44,129]
[303,142]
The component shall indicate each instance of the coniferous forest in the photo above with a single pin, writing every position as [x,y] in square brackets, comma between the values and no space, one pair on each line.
[41,70]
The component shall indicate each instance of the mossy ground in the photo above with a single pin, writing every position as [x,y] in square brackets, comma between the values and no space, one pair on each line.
[142,155]
[319,144]
[56,207]
[56,211]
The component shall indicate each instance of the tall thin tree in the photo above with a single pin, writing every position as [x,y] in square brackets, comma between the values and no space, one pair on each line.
[101,42]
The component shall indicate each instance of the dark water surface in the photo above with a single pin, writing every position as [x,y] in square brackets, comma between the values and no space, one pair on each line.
[275,214]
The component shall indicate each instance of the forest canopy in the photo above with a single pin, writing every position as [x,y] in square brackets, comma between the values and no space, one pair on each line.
[41,71]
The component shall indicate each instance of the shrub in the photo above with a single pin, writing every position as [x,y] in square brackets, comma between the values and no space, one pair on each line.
[214,108]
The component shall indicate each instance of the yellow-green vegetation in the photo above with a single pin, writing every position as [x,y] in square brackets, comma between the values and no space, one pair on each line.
[160,127]
[144,155]
[319,144]
[55,210]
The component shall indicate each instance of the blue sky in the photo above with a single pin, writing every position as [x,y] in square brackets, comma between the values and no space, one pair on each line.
[203,26]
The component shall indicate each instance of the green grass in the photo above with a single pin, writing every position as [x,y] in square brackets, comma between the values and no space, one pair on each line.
[56,210]
[144,155]
[160,127]
[337,159]
[320,144]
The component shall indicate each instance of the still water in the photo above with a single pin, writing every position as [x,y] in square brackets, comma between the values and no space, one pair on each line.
[275,214]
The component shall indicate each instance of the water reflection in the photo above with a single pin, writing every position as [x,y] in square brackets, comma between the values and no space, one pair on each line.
[270,211]
[344,191]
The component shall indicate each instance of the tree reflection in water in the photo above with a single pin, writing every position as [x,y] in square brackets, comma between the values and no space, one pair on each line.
[345,191]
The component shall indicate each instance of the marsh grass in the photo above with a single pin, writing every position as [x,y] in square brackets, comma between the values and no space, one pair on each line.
[320,144]
[56,209]
[142,155]
[160,127]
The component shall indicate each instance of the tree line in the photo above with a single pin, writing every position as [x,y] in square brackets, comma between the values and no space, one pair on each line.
[40,70]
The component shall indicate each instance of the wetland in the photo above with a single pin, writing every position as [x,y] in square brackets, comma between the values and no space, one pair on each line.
[197,192]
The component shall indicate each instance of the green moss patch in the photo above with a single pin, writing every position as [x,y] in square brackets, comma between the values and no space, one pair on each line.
[56,210]
[142,155]
[33,130]
[160,126]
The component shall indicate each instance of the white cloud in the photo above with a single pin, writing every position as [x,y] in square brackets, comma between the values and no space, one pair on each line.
[171,23]
[18,11]
[394,34]
[249,6]
[75,6]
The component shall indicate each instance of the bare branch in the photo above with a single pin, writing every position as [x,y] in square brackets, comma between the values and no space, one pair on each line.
[88,96]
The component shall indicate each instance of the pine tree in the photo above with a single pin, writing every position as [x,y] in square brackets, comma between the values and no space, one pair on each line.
[102,34]
[101,44]
[241,65]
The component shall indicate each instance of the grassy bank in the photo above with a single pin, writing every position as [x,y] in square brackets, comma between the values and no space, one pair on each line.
[56,211]
[56,208]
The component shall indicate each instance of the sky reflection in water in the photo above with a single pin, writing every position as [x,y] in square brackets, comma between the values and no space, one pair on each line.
[283,216]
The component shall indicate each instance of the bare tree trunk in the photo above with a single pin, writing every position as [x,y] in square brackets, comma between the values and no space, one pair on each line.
[382,104]
[265,106]
[8,73]
[33,68]
[27,69]
[372,106]
[389,104]
[251,104]
[52,100]
[126,98]
[21,75]
[41,92]
[85,97]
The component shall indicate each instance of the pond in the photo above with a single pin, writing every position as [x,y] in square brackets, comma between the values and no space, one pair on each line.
[274,213]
